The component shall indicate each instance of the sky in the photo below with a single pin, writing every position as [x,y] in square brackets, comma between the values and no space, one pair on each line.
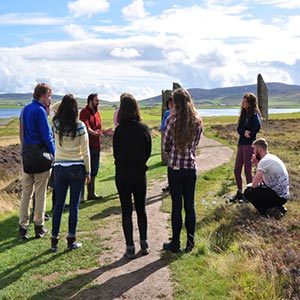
[142,47]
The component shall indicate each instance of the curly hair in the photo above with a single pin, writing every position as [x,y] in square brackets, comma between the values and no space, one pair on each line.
[252,109]
[187,120]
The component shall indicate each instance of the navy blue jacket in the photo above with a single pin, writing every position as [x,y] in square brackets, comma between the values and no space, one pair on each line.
[252,124]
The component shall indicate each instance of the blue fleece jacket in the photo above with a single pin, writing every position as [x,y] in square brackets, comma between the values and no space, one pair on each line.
[36,126]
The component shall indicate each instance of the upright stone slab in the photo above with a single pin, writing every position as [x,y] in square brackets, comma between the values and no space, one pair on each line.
[262,95]
[165,96]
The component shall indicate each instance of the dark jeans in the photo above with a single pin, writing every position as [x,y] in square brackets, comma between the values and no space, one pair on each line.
[263,198]
[65,177]
[132,184]
[182,186]
[95,161]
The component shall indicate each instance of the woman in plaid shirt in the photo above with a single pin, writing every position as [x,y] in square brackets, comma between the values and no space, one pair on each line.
[182,135]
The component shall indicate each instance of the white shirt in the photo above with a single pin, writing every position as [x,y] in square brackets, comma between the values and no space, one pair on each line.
[275,175]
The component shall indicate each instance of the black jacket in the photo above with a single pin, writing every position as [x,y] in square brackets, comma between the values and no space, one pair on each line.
[132,147]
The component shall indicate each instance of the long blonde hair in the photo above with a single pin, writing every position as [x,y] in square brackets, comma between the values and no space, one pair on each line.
[187,120]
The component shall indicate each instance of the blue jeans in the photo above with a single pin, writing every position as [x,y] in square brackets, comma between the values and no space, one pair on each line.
[182,186]
[95,161]
[65,177]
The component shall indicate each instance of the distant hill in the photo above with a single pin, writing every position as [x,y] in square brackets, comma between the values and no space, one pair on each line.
[24,98]
[280,95]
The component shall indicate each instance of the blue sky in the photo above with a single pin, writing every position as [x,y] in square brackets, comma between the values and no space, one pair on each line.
[142,47]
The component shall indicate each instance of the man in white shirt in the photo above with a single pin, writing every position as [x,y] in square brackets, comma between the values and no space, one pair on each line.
[270,185]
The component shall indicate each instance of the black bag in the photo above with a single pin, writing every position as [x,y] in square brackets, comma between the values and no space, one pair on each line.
[36,158]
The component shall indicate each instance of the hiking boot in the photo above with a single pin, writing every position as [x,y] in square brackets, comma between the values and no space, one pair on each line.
[166,189]
[145,247]
[238,196]
[72,244]
[47,217]
[54,244]
[190,243]
[130,252]
[274,212]
[173,246]
[40,231]
[23,233]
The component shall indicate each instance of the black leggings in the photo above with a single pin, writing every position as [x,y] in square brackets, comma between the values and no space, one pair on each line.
[128,185]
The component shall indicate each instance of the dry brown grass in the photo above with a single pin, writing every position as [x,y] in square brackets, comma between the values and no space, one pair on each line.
[275,242]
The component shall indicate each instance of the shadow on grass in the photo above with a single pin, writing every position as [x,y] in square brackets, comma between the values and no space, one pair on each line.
[110,289]
[11,275]
[115,210]
[9,233]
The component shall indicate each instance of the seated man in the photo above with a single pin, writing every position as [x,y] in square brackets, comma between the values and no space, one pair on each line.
[270,185]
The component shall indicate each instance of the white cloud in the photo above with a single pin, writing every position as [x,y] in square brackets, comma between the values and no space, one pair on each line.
[181,44]
[135,10]
[37,19]
[87,7]
[290,4]
[78,32]
[125,52]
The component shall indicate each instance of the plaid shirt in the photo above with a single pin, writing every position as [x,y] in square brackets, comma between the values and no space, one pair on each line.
[186,160]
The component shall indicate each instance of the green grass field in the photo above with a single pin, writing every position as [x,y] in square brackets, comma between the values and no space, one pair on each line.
[238,254]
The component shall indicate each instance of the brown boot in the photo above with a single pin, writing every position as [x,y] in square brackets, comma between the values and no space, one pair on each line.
[54,244]
[91,190]
[72,244]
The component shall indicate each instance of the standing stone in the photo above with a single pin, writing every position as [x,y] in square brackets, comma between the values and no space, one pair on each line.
[262,95]
[166,94]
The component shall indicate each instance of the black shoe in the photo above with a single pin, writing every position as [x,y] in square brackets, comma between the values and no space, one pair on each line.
[173,246]
[130,252]
[145,249]
[72,244]
[40,231]
[47,217]
[166,189]
[54,244]
[23,233]
[274,212]
[238,196]
[94,197]
[190,243]
[282,209]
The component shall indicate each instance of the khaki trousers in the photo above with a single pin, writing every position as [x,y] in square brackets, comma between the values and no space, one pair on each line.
[38,183]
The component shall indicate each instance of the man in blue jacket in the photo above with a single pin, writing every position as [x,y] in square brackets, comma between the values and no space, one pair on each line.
[35,129]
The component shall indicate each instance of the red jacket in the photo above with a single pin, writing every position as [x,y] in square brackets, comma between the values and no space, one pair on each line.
[93,121]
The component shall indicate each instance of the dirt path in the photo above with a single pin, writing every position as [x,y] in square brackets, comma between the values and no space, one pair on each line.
[146,277]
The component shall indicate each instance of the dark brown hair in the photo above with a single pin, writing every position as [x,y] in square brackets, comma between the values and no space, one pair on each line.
[252,109]
[40,90]
[67,115]
[129,109]
[91,97]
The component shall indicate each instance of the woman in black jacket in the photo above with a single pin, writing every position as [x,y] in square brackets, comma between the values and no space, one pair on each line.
[248,126]
[132,148]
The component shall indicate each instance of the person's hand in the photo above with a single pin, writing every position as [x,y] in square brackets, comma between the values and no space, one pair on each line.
[108,131]
[254,160]
[87,179]
[247,134]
